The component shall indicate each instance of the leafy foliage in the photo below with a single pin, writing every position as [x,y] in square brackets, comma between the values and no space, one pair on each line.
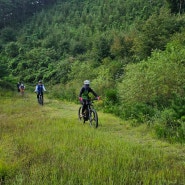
[17,10]
[159,78]
[177,6]
[155,33]
[90,34]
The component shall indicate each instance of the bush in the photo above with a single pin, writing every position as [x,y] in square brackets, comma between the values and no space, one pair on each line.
[139,112]
[111,101]
[156,80]
[7,85]
[12,49]
[178,105]
[170,128]
[111,97]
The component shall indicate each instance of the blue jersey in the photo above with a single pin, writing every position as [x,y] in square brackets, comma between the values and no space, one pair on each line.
[40,88]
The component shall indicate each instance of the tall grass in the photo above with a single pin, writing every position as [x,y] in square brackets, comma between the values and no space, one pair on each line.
[47,145]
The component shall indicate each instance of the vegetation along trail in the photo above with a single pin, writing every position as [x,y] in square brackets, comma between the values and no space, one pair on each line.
[48,145]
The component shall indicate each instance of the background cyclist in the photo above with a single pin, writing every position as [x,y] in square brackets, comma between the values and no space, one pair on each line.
[21,88]
[39,89]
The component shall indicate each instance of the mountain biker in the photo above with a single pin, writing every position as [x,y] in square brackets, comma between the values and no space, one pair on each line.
[84,94]
[18,86]
[39,89]
[21,88]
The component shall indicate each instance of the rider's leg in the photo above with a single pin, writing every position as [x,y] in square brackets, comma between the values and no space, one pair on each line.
[84,106]
[38,97]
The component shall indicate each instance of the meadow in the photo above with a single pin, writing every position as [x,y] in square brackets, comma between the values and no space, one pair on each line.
[47,145]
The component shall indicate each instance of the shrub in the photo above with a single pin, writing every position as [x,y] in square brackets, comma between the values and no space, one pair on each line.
[178,105]
[156,80]
[111,101]
[111,97]
[170,128]
[139,112]
[12,49]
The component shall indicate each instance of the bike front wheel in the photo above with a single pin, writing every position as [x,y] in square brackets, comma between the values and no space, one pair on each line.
[80,117]
[93,118]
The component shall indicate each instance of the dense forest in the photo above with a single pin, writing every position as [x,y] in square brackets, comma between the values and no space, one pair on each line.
[133,52]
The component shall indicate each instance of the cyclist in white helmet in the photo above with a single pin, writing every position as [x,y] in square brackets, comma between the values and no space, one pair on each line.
[84,94]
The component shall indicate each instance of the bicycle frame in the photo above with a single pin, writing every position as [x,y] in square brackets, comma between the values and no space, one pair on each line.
[90,114]
[88,108]
[41,99]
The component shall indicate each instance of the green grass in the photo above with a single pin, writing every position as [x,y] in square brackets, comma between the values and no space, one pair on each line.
[47,145]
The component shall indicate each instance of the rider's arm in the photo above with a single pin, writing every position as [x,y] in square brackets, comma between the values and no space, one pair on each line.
[81,92]
[43,88]
[91,90]
[36,88]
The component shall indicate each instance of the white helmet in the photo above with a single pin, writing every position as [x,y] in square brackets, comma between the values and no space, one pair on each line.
[86,82]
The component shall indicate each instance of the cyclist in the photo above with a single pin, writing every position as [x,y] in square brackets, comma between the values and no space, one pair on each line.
[18,86]
[39,89]
[84,94]
[21,88]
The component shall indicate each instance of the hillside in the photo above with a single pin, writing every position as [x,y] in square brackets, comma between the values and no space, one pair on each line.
[95,33]
[44,145]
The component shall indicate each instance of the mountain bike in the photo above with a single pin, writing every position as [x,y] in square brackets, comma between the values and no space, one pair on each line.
[41,99]
[89,114]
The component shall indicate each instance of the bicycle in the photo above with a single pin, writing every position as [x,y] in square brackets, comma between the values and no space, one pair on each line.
[41,99]
[89,114]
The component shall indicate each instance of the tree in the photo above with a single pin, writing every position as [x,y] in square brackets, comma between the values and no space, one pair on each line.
[155,33]
[156,80]
[3,68]
[177,6]
[8,34]
[103,47]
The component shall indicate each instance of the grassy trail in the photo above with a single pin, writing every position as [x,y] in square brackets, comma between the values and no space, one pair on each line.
[48,145]
[113,125]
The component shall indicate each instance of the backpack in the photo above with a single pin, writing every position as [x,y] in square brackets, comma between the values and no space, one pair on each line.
[22,86]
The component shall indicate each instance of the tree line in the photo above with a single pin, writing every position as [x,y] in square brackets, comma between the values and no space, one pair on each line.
[16,11]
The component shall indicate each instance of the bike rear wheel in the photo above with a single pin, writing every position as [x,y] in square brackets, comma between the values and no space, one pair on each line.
[93,118]
[41,102]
